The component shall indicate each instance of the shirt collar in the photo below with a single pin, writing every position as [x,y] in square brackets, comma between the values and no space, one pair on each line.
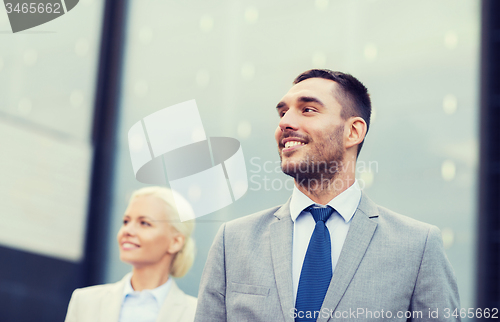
[345,203]
[160,293]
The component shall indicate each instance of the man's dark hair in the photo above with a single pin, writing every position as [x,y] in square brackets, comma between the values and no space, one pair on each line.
[353,95]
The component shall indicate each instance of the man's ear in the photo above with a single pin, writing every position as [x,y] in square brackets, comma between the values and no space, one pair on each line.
[356,131]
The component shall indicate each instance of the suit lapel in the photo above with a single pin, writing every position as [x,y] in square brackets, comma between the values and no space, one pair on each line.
[174,305]
[357,240]
[112,303]
[281,251]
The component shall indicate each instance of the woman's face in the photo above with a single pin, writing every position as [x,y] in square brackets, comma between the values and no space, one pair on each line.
[145,237]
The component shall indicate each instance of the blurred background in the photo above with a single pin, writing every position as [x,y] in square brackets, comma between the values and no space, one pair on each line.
[72,88]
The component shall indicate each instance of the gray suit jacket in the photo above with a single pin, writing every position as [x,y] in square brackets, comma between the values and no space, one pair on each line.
[102,303]
[389,263]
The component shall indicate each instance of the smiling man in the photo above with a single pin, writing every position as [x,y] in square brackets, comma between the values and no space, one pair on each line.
[329,252]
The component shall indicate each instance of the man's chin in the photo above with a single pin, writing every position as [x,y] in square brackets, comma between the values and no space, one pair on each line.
[294,169]
[303,171]
[289,166]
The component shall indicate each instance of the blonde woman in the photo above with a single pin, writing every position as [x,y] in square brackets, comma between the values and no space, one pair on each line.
[158,246]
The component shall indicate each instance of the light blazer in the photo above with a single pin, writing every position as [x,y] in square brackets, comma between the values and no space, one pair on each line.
[102,303]
[388,262]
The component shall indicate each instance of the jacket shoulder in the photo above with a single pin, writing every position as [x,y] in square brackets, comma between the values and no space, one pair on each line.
[94,290]
[262,217]
[397,229]
[388,218]
[191,301]
[401,221]
[251,226]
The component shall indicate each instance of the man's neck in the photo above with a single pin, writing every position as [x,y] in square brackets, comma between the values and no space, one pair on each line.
[324,191]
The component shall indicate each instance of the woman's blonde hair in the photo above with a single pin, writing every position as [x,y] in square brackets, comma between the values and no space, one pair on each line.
[184,259]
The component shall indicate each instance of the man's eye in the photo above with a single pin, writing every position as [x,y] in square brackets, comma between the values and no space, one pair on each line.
[282,113]
[307,109]
[125,221]
[145,223]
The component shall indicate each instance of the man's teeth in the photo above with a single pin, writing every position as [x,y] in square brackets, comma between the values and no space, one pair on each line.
[289,144]
[129,245]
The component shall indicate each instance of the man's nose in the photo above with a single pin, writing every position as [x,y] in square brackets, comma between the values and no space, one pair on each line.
[289,121]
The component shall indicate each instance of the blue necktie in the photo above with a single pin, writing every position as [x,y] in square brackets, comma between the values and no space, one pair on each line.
[317,268]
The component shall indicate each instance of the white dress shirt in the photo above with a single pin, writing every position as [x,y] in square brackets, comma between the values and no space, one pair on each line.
[143,306]
[345,205]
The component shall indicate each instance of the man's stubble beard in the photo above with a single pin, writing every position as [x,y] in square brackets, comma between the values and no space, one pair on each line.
[323,163]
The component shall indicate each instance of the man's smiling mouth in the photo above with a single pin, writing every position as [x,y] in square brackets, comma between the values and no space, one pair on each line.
[290,144]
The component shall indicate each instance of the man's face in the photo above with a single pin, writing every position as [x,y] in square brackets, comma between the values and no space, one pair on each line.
[310,134]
